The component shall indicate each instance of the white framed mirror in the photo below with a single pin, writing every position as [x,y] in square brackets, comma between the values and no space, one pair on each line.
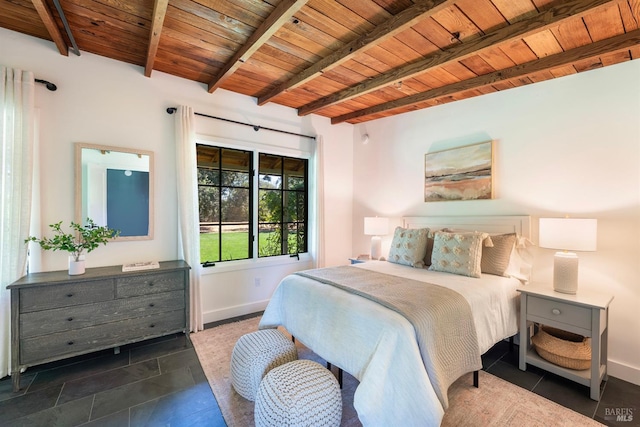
[114,187]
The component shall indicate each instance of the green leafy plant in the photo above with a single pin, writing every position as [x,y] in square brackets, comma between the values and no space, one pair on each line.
[83,239]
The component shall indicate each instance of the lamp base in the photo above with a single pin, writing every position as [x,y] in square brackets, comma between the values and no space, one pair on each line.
[565,273]
[376,247]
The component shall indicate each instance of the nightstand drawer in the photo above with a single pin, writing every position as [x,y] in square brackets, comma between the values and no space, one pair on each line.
[557,311]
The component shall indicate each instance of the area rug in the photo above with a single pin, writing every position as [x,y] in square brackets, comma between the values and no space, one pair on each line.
[495,403]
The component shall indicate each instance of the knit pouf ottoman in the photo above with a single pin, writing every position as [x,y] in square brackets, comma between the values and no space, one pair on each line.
[299,393]
[254,355]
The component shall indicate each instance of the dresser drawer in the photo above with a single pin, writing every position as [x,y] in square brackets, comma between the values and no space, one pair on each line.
[94,338]
[149,284]
[64,319]
[557,311]
[65,295]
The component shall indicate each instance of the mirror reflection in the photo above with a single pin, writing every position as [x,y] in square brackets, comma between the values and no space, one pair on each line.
[114,187]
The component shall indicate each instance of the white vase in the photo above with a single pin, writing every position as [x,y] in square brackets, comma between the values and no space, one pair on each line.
[76,267]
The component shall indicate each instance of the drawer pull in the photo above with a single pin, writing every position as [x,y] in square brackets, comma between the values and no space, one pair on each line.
[70,343]
[152,325]
[556,311]
[70,319]
[150,283]
[152,305]
[69,295]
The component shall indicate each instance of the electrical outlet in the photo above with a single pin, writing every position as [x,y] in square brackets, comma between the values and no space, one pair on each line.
[256,282]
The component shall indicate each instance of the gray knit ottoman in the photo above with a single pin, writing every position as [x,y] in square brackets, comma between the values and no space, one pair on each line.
[299,393]
[254,355]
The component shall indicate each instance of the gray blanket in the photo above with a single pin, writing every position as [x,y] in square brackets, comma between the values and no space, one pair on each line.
[442,319]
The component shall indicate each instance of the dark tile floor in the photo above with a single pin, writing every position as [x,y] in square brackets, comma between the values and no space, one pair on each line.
[161,383]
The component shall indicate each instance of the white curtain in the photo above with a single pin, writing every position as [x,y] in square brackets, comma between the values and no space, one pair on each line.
[16,159]
[320,226]
[188,215]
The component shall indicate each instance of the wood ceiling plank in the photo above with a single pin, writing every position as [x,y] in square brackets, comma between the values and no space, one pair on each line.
[417,42]
[518,51]
[384,56]
[435,33]
[543,43]
[541,76]
[454,20]
[52,27]
[276,19]
[312,17]
[629,21]
[544,20]
[284,46]
[285,60]
[369,10]
[253,14]
[588,64]
[391,27]
[210,21]
[635,52]
[141,8]
[478,65]
[157,21]
[583,55]
[173,41]
[572,34]
[515,10]
[615,58]
[604,23]
[566,70]
[342,15]
[483,14]
[459,71]
[195,36]
[399,49]
[496,58]
[21,16]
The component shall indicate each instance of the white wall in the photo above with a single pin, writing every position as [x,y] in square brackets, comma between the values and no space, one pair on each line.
[101,101]
[566,146]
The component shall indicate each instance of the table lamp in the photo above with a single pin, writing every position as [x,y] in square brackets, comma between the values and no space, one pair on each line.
[376,227]
[567,234]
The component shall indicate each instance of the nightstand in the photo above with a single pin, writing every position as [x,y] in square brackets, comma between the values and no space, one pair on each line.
[586,313]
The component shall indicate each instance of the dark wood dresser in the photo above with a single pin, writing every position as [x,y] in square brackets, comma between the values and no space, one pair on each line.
[55,315]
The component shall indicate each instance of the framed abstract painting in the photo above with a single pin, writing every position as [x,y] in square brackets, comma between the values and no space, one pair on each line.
[461,173]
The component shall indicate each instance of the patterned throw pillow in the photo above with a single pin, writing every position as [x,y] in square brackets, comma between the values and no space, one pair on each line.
[457,253]
[495,259]
[409,246]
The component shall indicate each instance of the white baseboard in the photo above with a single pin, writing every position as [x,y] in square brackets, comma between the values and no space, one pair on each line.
[230,312]
[624,372]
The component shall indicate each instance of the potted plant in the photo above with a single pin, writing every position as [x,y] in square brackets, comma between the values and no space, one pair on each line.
[76,243]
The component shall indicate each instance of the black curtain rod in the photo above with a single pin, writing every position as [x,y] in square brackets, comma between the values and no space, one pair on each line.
[49,85]
[172,110]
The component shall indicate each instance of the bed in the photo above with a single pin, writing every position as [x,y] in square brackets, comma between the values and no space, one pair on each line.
[379,346]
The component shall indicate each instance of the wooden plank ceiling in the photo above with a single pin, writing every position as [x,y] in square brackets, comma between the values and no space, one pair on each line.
[350,60]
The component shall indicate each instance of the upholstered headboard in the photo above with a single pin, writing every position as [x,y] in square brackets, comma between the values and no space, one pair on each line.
[520,224]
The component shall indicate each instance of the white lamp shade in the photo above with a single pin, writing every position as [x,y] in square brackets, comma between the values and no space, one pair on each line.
[568,234]
[376,226]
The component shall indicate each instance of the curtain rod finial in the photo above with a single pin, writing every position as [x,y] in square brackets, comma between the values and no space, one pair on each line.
[171,110]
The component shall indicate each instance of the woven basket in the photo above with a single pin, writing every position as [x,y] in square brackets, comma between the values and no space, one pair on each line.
[563,348]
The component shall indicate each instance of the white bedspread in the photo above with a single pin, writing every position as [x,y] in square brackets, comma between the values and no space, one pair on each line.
[377,345]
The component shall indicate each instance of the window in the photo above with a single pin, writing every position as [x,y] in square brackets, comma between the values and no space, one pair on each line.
[228,217]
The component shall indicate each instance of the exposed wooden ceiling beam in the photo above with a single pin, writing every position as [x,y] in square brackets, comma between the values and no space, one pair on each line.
[398,23]
[539,22]
[50,24]
[281,14]
[592,51]
[157,21]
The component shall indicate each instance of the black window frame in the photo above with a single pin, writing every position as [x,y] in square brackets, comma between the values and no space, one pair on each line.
[302,239]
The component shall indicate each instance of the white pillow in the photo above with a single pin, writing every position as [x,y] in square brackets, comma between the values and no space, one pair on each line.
[457,253]
[521,260]
[409,246]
